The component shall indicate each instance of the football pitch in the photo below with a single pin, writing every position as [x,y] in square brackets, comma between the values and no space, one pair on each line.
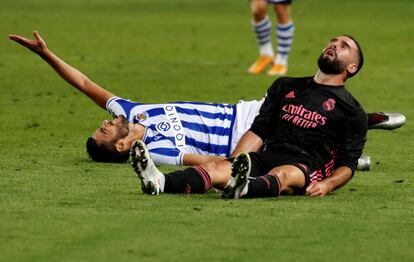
[57,205]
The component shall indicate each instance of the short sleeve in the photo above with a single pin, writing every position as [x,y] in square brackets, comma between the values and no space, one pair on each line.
[114,108]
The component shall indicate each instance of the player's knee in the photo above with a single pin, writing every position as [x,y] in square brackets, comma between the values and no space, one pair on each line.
[219,172]
[210,166]
[259,10]
[289,177]
[281,176]
[283,13]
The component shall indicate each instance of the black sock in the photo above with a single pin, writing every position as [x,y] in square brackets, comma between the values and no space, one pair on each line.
[190,180]
[263,186]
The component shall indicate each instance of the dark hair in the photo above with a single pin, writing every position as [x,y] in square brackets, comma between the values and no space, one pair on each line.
[105,152]
[360,56]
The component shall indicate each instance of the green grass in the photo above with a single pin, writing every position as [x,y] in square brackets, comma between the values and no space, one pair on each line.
[56,205]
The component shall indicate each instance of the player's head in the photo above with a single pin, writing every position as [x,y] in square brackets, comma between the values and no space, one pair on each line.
[105,145]
[343,55]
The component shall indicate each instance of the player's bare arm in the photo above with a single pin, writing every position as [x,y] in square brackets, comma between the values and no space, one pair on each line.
[70,74]
[193,159]
[339,178]
[249,142]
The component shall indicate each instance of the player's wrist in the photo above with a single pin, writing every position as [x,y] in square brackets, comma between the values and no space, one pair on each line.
[45,53]
[329,186]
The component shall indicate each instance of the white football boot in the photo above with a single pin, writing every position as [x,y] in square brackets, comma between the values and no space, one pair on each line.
[238,183]
[364,163]
[152,179]
[386,120]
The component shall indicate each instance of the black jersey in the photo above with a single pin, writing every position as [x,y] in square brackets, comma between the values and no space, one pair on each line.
[317,122]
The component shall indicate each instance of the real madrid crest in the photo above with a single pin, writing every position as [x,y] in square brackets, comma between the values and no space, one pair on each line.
[329,104]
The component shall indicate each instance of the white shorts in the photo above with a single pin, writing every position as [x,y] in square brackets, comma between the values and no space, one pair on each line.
[246,112]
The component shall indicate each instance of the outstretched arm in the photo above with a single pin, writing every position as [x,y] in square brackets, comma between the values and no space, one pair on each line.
[67,72]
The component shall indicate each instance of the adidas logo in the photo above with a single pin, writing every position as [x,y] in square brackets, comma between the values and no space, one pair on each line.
[291,95]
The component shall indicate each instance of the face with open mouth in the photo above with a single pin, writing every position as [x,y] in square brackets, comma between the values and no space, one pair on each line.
[339,54]
[328,62]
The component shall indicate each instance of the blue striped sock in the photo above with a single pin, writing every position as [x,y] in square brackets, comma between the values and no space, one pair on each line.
[284,34]
[262,31]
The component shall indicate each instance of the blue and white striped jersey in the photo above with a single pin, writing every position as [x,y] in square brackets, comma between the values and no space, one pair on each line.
[174,129]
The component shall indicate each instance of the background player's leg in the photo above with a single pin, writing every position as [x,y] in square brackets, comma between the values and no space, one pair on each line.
[262,28]
[285,30]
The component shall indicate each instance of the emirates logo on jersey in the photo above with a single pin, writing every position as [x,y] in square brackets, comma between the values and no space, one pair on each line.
[302,117]
[329,104]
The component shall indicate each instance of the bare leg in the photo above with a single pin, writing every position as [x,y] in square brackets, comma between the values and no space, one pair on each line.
[282,13]
[259,10]
[290,178]
[219,172]
[262,28]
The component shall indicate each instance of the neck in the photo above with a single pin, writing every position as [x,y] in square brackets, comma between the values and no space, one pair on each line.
[330,80]
[136,131]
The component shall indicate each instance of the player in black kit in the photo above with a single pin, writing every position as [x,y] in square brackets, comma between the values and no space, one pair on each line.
[314,131]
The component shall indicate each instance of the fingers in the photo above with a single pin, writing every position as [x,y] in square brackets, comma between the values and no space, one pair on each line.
[37,45]
[19,39]
[36,35]
[13,37]
[310,189]
[314,190]
[40,39]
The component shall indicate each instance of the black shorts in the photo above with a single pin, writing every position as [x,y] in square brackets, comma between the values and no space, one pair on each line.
[279,1]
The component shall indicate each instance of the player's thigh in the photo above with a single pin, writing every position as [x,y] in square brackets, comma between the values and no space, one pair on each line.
[290,177]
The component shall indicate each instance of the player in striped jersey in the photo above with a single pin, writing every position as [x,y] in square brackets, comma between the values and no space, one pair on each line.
[176,133]
[182,132]
[188,133]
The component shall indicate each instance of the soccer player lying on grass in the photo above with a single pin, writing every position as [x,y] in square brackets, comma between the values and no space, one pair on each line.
[188,133]
[315,130]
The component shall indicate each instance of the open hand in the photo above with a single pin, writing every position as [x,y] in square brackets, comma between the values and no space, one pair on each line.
[37,45]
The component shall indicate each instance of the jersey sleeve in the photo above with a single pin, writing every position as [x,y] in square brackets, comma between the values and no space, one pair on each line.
[353,140]
[117,106]
[163,151]
[264,122]
[167,156]
[114,108]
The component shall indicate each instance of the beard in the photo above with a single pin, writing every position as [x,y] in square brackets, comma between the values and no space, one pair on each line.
[330,66]
[122,128]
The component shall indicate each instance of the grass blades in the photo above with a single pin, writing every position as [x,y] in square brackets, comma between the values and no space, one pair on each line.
[57,205]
